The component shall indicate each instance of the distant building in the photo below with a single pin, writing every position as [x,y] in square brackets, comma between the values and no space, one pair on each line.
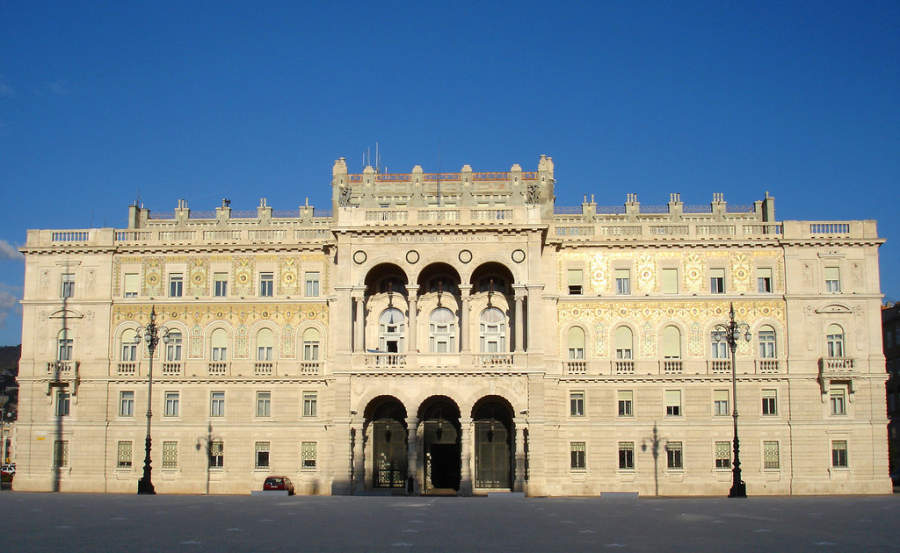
[455,331]
[890,321]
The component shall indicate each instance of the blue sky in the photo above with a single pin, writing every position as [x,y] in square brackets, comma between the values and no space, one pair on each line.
[103,102]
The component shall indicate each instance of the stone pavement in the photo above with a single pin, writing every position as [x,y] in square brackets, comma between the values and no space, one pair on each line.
[498,523]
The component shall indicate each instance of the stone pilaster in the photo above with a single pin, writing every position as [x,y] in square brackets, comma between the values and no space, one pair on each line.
[465,293]
[519,483]
[467,429]
[412,434]
[519,319]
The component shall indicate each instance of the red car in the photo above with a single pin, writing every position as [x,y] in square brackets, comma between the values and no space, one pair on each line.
[282,483]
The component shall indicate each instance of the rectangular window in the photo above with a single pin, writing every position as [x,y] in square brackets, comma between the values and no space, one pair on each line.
[832,280]
[266,284]
[216,454]
[217,404]
[769,403]
[220,285]
[717,281]
[719,348]
[838,401]
[623,282]
[673,403]
[263,404]
[262,455]
[309,404]
[576,404]
[67,286]
[172,404]
[124,455]
[625,400]
[771,457]
[308,455]
[764,280]
[132,285]
[723,455]
[626,455]
[176,285]
[62,404]
[576,282]
[312,285]
[674,458]
[839,454]
[669,282]
[126,404]
[170,455]
[720,402]
[577,456]
[60,453]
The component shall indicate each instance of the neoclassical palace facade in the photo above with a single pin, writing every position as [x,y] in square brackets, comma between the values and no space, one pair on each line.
[455,332]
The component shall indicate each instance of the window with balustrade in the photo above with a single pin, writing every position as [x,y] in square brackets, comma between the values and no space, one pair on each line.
[442,331]
[492,331]
[718,348]
[64,345]
[576,343]
[834,339]
[311,344]
[265,345]
[129,342]
[624,343]
[173,346]
[671,347]
[392,331]
[218,345]
[767,349]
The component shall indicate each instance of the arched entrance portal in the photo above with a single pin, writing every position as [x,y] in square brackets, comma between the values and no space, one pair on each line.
[387,418]
[441,444]
[494,435]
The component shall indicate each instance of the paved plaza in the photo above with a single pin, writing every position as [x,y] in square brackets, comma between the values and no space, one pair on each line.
[507,523]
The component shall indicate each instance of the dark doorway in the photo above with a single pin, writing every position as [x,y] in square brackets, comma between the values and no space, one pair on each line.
[388,431]
[441,444]
[493,444]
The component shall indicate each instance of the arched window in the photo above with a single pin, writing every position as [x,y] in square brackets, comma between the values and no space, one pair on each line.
[219,344]
[64,345]
[834,337]
[718,346]
[671,343]
[493,331]
[576,343]
[624,342]
[391,330]
[767,343]
[442,331]
[310,344]
[173,346]
[129,345]
[265,343]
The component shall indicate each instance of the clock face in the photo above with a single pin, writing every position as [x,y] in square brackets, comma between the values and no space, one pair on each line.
[359,257]
[518,256]
[412,256]
[465,256]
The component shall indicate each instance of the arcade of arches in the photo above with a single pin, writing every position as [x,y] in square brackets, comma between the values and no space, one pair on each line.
[436,449]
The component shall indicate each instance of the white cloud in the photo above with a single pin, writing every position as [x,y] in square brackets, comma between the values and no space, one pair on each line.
[9,302]
[8,251]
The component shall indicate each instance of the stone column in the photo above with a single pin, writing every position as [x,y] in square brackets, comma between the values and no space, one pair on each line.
[412,427]
[413,292]
[519,317]
[520,426]
[359,466]
[534,341]
[359,321]
[465,291]
[466,427]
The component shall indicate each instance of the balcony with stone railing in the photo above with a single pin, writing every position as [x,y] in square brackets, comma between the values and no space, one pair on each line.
[670,367]
[61,368]
[463,362]
[127,368]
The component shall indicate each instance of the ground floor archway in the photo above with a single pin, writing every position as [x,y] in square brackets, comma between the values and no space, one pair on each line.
[441,444]
[386,417]
[494,443]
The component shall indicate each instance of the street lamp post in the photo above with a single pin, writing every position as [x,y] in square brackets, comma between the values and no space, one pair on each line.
[151,336]
[730,334]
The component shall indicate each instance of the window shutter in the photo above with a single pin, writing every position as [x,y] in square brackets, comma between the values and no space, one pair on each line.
[764,272]
[265,339]
[720,395]
[832,273]
[717,273]
[310,335]
[576,338]
[626,395]
[131,283]
[218,338]
[671,342]
[670,281]
[576,277]
[623,338]
[673,397]
[622,273]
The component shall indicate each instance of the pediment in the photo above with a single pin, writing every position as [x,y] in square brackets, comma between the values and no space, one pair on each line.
[834,308]
[66,314]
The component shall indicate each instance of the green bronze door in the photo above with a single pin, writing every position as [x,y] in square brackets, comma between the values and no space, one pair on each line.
[492,454]
[390,453]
